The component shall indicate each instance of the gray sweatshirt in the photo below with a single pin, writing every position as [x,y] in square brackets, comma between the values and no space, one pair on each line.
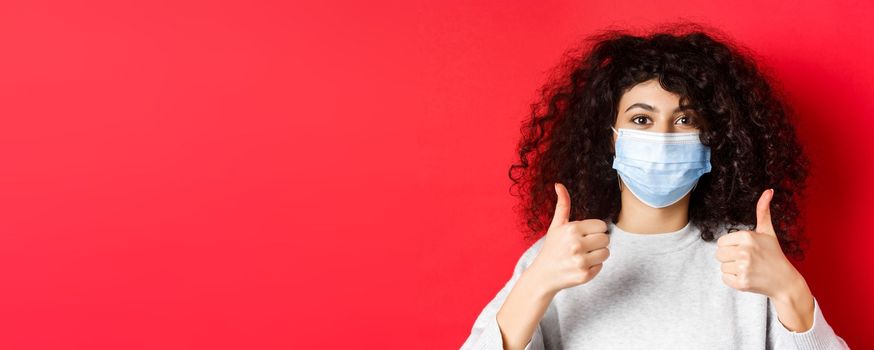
[655,291]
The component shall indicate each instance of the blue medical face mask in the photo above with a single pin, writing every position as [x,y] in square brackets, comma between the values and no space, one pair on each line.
[660,168]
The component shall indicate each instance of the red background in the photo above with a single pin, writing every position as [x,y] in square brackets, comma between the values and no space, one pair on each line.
[250,174]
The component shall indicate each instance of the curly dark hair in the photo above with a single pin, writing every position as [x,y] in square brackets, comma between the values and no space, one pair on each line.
[742,116]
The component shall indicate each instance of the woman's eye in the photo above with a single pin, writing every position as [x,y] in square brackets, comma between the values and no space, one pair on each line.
[685,119]
[639,117]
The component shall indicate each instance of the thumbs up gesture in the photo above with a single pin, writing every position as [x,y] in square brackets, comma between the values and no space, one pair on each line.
[752,261]
[573,252]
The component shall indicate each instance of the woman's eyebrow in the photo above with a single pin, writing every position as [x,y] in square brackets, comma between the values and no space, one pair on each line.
[650,108]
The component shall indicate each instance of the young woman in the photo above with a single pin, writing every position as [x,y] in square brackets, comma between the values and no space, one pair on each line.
[666,174]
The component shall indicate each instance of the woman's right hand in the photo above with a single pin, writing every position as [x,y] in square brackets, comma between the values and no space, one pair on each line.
[573,252]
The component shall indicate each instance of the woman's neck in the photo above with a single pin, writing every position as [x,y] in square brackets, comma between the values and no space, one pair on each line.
[634,216]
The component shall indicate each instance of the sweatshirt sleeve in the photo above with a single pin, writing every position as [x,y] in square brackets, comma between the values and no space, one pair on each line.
[820,336]
[486,333]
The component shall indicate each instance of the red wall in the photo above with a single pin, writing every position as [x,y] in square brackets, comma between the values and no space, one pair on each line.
[226,175]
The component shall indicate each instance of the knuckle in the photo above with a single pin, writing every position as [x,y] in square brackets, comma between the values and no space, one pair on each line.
[577,260]
[743,283]
[575,247]
[753,244]
[582,276]
[584,261]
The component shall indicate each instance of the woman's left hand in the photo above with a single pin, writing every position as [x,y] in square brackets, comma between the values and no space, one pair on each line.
[752,261]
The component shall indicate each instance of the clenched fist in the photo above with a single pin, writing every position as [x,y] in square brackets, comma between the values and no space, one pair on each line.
[752,261]
[572,252]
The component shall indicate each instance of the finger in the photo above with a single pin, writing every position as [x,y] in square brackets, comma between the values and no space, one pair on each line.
[763,213]
[727,253]
[590,226]
[595,241]
[594,269]
[597,256]
[562,206]
[731,238]
[730,267]
[730,280]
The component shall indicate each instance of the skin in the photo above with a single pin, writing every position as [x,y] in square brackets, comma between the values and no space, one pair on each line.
[574,251]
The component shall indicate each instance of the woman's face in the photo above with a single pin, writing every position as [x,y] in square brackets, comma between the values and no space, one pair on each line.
[648,107]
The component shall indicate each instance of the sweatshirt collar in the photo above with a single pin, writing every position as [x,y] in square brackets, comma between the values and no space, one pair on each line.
[653,243]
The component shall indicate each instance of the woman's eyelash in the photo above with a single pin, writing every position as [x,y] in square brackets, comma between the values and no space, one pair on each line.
[634,118]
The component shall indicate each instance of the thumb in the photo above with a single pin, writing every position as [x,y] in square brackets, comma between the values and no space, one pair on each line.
[763,213]
[562,206]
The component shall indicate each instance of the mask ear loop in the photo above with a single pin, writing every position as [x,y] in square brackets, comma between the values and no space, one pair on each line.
[614,157]
[618,180]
